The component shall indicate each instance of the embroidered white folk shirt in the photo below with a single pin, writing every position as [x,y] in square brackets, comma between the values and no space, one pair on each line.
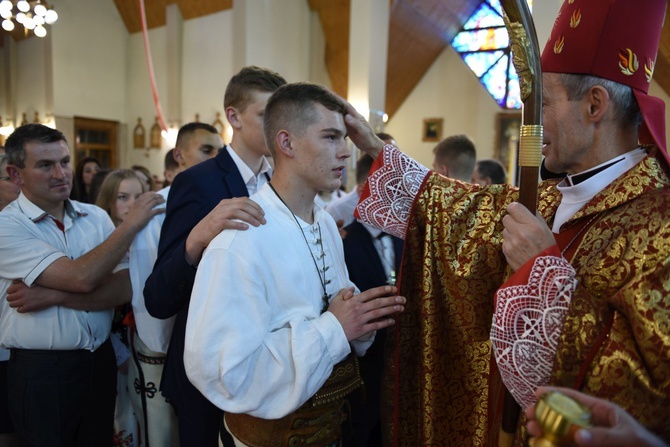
[30,241]
[256,340]
[154,333]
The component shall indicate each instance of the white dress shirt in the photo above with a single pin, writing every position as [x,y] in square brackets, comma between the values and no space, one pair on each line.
[324,198]
[30,241]
[257,341]
[251,180]
[343,207]
[383,243]
[154,333]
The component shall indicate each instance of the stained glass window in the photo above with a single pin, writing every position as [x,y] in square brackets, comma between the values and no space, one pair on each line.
[484,46]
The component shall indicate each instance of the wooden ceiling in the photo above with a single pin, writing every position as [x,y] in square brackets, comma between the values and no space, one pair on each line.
[419,30]
[155,11]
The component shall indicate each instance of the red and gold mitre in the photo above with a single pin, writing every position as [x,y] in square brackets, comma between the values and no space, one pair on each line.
[616,40]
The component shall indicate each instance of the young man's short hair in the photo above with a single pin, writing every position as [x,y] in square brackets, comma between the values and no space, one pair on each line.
[291,107]
[170,163]
[187,129]
[363,166]
[493,169]
[458,153]
[249,80]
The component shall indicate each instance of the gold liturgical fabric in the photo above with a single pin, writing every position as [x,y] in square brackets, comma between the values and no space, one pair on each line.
[441,384]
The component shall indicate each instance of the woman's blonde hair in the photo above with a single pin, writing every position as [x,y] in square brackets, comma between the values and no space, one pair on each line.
[110,188]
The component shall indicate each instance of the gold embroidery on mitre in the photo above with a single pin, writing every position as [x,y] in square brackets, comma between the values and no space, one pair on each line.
[576,18]
[649,69]
[628,62]
[570,2]
[558,46]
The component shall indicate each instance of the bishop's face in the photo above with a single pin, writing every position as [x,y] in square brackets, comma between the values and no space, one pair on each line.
[567,134]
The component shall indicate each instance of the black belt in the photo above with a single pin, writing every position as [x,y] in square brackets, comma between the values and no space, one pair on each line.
[41,353]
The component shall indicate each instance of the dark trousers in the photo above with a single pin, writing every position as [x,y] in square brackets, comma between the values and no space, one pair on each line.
[200,422]
[5,421]
[63,398]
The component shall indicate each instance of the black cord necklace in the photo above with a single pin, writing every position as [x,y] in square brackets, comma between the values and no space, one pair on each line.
[319,241]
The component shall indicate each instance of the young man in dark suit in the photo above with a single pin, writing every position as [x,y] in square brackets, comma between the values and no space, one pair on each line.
[203,201]
[373,259]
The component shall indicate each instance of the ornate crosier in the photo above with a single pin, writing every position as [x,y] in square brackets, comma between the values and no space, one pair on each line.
[526,60]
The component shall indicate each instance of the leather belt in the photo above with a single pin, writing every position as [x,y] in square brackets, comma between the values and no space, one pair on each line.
[316,423]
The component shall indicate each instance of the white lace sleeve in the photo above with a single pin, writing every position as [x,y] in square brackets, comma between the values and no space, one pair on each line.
[527,325]
[392,189]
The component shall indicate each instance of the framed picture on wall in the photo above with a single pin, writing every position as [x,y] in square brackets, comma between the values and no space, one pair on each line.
[432,129]
[506,144]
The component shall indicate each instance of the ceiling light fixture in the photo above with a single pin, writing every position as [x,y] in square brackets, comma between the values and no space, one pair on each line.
[33,15]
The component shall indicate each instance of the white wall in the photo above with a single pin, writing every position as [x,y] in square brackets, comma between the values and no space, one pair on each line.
[89,48]
[139,99]
[30,88]
[276,36]
[214,48]
[206,56]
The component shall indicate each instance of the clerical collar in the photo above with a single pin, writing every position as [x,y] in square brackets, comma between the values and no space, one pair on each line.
[574,180]
[574,197]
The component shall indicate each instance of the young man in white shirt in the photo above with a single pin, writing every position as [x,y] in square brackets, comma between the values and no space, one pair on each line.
[262,346]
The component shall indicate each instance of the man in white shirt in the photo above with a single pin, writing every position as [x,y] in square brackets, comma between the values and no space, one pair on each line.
[61,275]
[196,142]
[262,346]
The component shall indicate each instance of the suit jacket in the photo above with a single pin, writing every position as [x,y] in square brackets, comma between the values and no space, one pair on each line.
[167,292]
[367,271]
[365,267]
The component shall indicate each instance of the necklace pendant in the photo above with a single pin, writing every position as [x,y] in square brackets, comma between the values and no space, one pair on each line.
[326,301]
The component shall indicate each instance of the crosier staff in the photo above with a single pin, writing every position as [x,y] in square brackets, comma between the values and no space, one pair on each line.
[526,59]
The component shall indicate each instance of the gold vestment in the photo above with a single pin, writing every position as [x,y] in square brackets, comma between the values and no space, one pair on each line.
[441,383]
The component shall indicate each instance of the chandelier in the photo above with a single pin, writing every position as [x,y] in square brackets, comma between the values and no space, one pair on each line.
[32,15]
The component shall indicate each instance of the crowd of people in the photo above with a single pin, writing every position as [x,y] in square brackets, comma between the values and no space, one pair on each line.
[250,303]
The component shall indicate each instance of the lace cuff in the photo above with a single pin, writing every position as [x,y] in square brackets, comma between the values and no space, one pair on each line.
[527,324]
[394,182]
